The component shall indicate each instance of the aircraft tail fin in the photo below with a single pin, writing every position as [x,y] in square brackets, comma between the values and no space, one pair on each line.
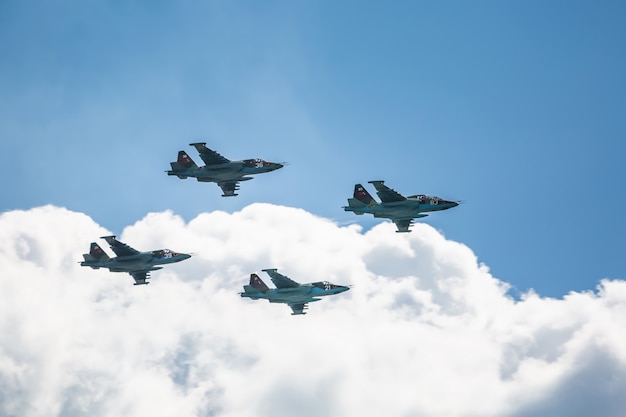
[95,255]
[361,194]
[257,283]
[183,163]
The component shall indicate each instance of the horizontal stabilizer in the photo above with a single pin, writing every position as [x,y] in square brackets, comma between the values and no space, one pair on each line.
[353,202]
[248,290]
[176,170]
[355,206]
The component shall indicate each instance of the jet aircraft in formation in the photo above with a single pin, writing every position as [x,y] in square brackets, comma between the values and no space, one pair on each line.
[400,209]
[137,264]
[226,173]
[288,291]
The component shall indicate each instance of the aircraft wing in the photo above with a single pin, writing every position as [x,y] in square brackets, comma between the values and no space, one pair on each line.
[140,277]
[298,308]
[386,194]
[403,225]
[209,156]
[120,249]
[280,280]
[229,188]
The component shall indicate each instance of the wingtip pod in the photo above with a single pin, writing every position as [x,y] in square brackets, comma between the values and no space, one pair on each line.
[200,146]
[109,238]
[268,270]
[376,182]
[379,185]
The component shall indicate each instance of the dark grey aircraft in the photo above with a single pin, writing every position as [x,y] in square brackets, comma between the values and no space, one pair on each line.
[137,264]
[288,291]
[401,210]
[224,172]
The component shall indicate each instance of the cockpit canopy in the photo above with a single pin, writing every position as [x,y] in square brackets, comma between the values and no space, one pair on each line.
[425,199]
[325,285]
[255,163]
[164,254]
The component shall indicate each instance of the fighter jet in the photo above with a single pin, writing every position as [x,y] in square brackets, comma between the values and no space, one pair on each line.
[401,210]
[224,172]
[137,264]
[288,291]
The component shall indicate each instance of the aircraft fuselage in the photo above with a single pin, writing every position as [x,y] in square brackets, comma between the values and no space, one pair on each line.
[144,261]
[235,170]
[410,208]
[303,294]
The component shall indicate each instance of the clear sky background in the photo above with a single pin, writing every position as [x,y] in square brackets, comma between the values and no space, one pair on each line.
[511,304]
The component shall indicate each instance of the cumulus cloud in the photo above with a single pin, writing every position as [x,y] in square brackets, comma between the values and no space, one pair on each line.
[425,330]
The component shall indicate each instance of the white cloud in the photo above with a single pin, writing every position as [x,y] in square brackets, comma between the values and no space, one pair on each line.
[425,330]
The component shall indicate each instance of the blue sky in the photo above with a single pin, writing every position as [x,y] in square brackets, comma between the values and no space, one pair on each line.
[515,108]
